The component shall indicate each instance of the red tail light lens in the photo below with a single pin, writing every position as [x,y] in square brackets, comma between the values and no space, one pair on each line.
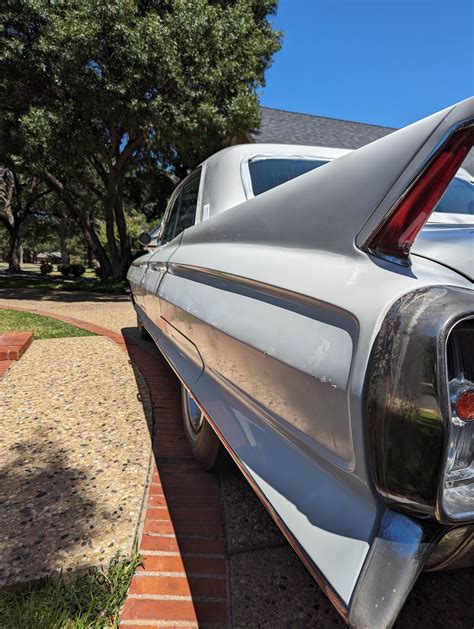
[465,406]
[397,234]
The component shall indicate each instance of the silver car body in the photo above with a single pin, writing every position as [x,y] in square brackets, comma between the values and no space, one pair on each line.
[268,310]
[454,218]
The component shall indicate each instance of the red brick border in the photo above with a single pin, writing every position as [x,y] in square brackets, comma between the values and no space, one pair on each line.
[12,347]
[182,582]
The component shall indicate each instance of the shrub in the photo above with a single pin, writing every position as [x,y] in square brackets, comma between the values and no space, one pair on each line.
[77,270]
[64,269]
[45,268]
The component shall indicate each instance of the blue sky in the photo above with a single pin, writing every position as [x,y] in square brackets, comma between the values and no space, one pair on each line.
[387,62]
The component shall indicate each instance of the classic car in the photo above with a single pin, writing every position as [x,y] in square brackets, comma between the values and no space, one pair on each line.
[323,333]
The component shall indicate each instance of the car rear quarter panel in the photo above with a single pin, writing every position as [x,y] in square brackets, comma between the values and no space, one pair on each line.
[285,337]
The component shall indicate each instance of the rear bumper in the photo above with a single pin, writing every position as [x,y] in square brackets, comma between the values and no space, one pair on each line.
[401,549]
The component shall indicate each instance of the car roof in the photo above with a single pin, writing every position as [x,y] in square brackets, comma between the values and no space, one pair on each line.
[241,151]
[224,186]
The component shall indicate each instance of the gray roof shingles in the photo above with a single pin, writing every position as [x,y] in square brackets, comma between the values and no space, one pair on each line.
[288,127]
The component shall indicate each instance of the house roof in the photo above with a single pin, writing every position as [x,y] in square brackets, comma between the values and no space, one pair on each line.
[288,127]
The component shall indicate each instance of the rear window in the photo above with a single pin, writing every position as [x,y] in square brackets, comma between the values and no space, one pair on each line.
[268,173]
[458,198]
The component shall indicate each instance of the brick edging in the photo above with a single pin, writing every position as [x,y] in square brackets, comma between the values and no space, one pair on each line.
[183,580]
[12,347]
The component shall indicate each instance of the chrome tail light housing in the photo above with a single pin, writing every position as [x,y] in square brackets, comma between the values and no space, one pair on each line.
[457,490]
[419,390]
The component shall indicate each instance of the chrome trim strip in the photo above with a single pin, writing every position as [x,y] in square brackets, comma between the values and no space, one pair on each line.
[161,267]
[273,295]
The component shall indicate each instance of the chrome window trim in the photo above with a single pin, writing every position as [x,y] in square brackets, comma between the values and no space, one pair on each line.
[175,194]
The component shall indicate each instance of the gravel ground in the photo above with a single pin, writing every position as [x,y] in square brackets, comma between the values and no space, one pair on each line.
[109,311]
[75,450]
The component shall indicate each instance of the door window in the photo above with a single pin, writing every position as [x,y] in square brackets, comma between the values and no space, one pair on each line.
[183,212]
[171,222]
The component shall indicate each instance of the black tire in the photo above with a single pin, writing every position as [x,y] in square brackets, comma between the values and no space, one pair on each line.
[142,331]
[205,444]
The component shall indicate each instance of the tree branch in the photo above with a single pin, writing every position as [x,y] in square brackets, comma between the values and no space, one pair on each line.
[99,168]
[34,199]
[128,151]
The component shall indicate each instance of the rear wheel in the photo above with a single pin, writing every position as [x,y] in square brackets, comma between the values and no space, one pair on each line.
[205,444]
[142,331]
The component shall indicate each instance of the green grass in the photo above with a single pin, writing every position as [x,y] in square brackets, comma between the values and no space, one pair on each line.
[41,326]
[44,282]
[93,600]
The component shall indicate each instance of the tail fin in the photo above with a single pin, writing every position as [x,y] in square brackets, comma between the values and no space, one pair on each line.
[356,200]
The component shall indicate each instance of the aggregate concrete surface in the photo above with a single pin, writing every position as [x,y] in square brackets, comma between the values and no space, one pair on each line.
[109,311]
[75,450]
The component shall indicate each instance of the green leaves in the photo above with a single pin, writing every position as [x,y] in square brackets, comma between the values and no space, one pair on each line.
[173,67]
[83,80]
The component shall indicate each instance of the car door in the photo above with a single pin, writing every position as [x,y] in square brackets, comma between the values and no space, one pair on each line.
[180,214]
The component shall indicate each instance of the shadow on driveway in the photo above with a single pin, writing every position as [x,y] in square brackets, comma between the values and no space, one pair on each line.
[46,517]
[42,294]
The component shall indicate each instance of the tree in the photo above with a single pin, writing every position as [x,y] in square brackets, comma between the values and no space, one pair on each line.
[94,90]
[19,194]
[50,227]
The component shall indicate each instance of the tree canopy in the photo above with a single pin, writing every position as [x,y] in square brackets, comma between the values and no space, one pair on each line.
[97,96]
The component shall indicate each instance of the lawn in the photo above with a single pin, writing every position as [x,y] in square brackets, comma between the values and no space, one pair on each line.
[32,278]
[93,285]
[34,269]
[41,326]
[93,600]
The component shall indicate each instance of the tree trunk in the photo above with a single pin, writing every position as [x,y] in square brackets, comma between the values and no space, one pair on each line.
[63,231]
[82,220]
[110,233]
[94,243]
[14,251]
[121,253]
[125,241]
[89,256]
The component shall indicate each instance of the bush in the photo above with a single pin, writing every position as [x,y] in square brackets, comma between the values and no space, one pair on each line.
[64,269]
[98,271]
[45,268]
[77,270]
